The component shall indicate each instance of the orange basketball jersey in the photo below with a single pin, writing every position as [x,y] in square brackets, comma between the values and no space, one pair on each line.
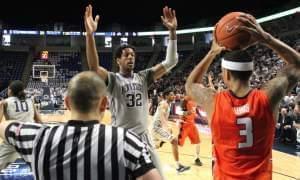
[242,134]
[189,105]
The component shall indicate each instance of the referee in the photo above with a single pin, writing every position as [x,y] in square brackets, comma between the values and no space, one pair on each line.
[82,149]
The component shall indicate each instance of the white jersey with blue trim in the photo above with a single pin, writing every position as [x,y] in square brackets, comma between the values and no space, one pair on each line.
[20,110]
[129,100]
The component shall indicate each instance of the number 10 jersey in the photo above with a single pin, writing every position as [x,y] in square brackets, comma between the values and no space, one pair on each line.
[21,110]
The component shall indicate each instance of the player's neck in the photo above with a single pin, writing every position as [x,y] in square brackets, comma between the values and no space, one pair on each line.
[85,117]
[240,89]
[126,73]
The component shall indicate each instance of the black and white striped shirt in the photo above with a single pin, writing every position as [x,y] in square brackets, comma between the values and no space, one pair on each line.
[80,150]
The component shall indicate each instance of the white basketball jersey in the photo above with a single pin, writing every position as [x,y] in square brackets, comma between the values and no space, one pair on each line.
[157,115]
[129,100]
[21,110]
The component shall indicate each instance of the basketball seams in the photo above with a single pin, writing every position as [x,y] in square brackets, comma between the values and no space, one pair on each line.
[233,34]
[221,28]
[226,33]
[225,23]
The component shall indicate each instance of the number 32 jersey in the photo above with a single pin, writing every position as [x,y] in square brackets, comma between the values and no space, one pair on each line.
[129,100]
[242,133]
[21,110]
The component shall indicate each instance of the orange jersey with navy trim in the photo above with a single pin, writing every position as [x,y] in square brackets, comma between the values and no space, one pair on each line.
[242,134]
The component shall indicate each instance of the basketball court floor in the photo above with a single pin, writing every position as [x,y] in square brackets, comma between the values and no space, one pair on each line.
[285,166]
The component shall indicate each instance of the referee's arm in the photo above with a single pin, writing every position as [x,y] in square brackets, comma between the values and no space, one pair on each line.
[138,159]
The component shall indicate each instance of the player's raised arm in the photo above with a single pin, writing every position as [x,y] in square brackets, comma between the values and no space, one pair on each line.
[91,50]
[169,20]
[278,87]
[193,87]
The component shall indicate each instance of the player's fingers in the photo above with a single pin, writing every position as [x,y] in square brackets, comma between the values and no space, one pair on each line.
[246,21]
[86,10]
[174,13]
[170,13]
[249,17]
[165,11]
[97,18]
[91,10]
[248,29]
[162,19]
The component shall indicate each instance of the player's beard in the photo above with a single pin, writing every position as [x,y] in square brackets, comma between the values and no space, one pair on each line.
[130,67]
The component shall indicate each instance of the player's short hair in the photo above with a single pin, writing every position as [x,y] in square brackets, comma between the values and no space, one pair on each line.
[17,89]
[167,91]
[118,51]
[84,90]
[239,56]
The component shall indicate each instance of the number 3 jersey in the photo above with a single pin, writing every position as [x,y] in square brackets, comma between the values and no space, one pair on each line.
[242,133]
[21,110]
[129,100]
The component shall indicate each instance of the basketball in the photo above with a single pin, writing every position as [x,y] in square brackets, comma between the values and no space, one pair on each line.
[227,34]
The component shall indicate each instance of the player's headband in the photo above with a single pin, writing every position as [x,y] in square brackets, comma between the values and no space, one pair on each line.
[237,66]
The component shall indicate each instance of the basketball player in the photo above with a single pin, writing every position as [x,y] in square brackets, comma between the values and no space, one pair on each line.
[16,107]
[82,148]
[160,127]
[242,119]
[188,127]
[128,91]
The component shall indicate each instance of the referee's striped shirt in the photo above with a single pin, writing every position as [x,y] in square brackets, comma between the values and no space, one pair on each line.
[80,150]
